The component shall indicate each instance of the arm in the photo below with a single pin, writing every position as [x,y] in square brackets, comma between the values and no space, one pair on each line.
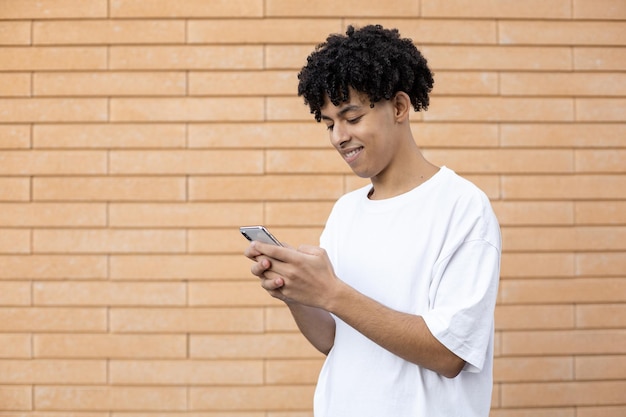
[306,277]
[316,324]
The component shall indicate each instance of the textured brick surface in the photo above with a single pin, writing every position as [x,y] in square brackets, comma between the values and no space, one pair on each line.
[136,136]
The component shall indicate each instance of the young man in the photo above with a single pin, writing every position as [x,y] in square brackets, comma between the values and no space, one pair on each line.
[401,293]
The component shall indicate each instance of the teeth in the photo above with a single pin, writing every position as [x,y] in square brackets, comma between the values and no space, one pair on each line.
[352,153]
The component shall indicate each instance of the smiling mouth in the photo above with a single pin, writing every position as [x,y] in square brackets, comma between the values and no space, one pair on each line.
[351,155]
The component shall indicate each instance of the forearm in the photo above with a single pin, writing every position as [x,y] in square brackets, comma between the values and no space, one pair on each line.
[315,324]
[405,335]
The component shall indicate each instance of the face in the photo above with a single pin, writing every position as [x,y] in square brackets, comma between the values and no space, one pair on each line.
[362,134]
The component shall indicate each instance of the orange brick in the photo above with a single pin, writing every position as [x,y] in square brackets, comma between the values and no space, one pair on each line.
[533,412]
[158,135]
[526,265]
[186,109]
[563,393]
[230,294]
[186,372]
[37,319]
[563,342]
[189,8]
[15,85]
[529,317]
[560,33]
[53,9]
[266,187]
[601,316]
[52,214]
[248,83]
[503,160]
[598,58]
[53,58]
[297,214]
[600,367]
[53,398]
[42,267]
[562,135]
[292,372]
[601,109]
[75,346]
[453,135]
[608,411]
[218,241]
[256,135]
[400,8]
[108,294]
[572,290]
[466,83]
[15,293]
[15,33]
[108,241]
[606,212]
[489,184]
[602,9]
[268,346]
[495,9]
[287,56]
[16,398]
[53,162]
[601,264]
[98,32]
[187,267]
[14,136]
[485,57]
[15,345]
[593,161]
[53,110]
[545,213]
[561,187]
[189,57]
[305,162]
[181,215]
[563,84]
[287,109]
[186,320]
[116,188]
[505,109]
[438,31]
[527,369]
[564,238]
[53,372]
[247,31]
[279,319]
[284,397]
[110,84]
[15,241]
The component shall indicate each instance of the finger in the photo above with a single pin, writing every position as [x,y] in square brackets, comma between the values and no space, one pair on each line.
[280,253]
[261,266]
[272,284]
[251,252]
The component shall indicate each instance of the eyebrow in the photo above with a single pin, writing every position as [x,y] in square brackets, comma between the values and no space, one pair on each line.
[343,111]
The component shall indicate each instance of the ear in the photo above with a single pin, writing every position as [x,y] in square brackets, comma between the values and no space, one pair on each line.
[402,106]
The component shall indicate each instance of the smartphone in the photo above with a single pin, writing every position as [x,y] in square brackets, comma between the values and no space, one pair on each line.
[260,234]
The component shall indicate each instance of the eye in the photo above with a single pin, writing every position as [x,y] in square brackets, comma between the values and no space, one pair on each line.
[355,120]
[330,128]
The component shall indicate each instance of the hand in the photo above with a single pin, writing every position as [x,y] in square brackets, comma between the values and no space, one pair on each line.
[260,268]
[305,275]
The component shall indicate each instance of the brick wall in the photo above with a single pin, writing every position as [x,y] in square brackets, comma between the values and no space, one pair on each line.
[135,136]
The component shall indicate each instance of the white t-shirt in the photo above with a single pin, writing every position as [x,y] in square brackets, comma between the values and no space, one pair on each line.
[435,252]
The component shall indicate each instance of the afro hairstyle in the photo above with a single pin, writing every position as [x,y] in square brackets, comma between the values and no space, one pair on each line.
[371,60]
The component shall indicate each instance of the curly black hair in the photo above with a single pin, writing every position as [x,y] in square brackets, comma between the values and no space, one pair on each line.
[371,60]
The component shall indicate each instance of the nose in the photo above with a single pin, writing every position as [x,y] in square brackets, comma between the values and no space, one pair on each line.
[339,136]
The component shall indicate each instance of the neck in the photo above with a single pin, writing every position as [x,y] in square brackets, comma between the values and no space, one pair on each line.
[412,172]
